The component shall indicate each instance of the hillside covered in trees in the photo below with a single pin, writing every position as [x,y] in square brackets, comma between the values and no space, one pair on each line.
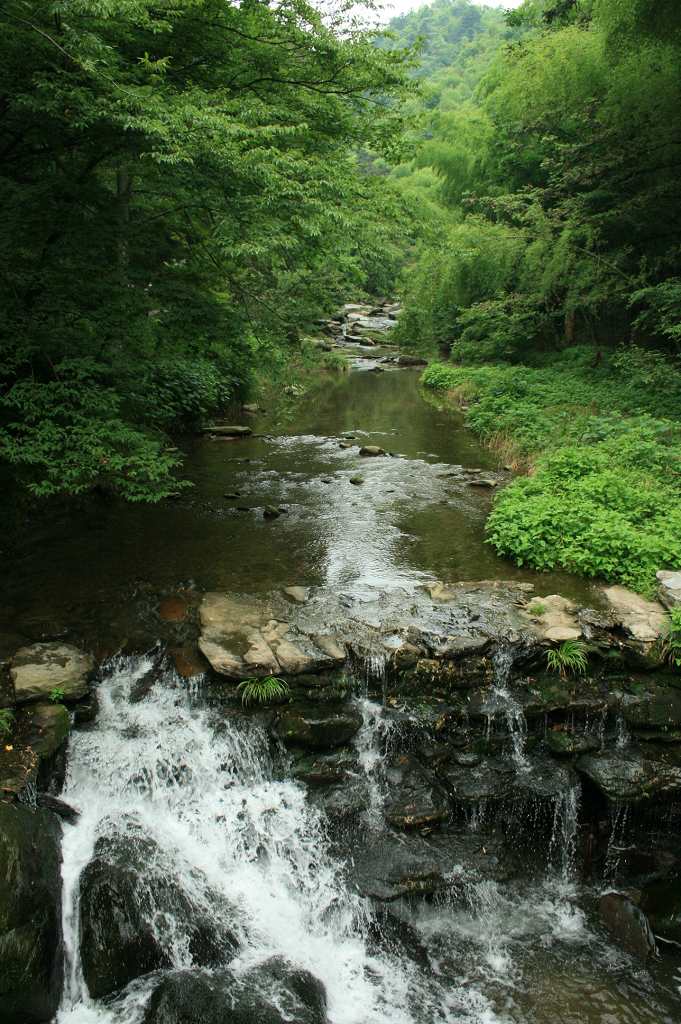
[188,185]
[550,258]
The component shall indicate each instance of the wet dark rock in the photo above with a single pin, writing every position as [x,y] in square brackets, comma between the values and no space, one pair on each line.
[271,512]
[356,480]
[326,769]
[317,728]
[371,450]
[628,775]
[131,910]
[59,807]
[658,708]
[85,711]
[273,993]
[661,902]
[416,799]
[568,742]
[36,755]
[391,866]
[391,934]
[30,915]
[492,779]
[627,924]
[482,481]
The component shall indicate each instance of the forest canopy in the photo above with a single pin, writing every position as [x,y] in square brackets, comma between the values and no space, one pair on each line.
[180,190]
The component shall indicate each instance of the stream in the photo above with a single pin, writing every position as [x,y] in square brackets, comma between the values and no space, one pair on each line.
[247,885]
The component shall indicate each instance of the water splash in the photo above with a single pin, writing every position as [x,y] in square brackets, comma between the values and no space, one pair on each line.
[563,844]
[503,701]
[205,790]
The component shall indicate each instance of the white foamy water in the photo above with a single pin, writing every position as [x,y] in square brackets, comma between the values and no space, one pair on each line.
[204,790]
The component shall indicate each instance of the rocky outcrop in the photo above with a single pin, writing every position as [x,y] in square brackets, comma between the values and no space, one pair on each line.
[40,669]
[133,911]
[221,430]
[30,915]
[642,621]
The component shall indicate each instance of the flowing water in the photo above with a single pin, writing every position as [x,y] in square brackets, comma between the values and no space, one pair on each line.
[214,803]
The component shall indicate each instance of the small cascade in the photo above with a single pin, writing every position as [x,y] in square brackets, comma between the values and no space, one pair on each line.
[208,799]
[504,702]
[372,744]
[563,844]
[622,735]
[618,827]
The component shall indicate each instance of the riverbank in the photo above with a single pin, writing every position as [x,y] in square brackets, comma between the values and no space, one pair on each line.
[600,441]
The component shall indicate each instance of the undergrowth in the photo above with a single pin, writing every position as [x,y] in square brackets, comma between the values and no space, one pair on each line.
[603,447]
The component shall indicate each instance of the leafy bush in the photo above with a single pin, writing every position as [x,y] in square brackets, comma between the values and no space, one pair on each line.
[57,695]
[604,497]
[6,723]
[569,659]
[262,691]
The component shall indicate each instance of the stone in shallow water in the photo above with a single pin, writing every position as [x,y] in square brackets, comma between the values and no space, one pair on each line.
[41,668]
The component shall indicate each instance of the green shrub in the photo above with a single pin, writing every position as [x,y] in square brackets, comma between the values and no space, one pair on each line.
[262,691]
[56,695]
[605,495]
[570,658]
[670,645]
[536,608]
[6,723]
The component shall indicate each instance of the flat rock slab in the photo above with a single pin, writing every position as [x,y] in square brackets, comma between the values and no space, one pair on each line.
[41,668]
[245,637]
[643,620]
[556,618]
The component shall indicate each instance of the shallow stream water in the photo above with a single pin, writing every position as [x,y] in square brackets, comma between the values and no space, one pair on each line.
[409,521]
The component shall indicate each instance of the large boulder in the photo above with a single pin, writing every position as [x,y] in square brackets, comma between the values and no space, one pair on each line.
[41,668]
[134,911]
[30,915]
[317,728]
[659,709]
[275,992]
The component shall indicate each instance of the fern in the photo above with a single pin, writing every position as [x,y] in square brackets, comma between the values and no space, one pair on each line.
[571,658]
[670,643]
[262,691]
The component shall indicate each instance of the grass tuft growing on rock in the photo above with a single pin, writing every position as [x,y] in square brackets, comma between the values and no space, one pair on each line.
[262,691]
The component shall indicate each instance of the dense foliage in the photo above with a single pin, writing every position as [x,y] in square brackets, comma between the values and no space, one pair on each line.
[180,191]
[554,282]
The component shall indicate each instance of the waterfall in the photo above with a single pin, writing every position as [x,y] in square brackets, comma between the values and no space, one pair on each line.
[231,833]
[563,844]
[505,702]
[371,742]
